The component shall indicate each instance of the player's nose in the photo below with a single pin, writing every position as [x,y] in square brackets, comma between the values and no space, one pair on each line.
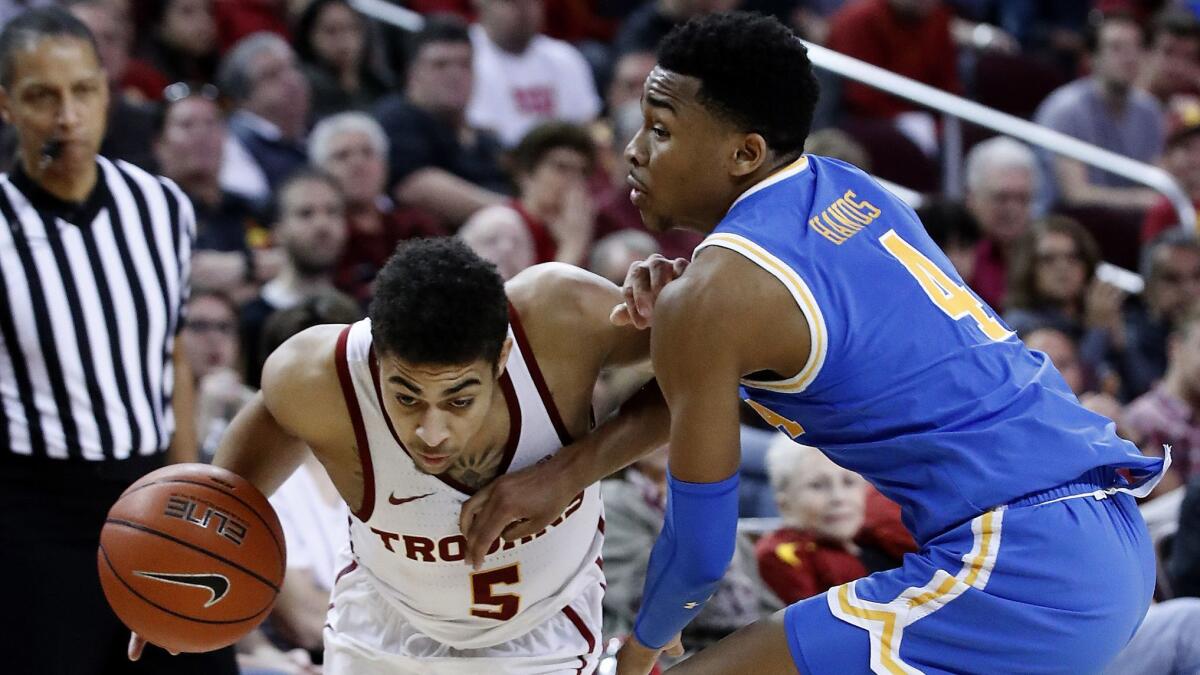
[433,430]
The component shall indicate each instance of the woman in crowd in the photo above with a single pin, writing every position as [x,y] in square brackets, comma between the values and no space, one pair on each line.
[333,43]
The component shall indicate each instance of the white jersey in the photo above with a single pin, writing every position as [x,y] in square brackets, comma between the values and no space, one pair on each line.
[406,534]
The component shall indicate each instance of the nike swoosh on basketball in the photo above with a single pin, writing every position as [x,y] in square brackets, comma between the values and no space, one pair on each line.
[397,502]
[217,584]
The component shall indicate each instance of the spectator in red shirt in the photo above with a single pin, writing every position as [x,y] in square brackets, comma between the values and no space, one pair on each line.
[823,542]
[1182,159]
[908,37]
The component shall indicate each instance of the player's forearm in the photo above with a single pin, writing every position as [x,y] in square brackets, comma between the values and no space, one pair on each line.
[690,557]
[641,426]
[258,449]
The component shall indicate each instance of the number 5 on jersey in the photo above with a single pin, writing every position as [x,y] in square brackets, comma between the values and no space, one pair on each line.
[956,301]
[501,607]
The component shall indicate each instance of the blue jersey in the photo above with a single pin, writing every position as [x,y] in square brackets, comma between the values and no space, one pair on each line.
[912,381]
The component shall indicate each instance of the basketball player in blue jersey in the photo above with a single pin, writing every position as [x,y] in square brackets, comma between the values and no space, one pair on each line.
[819,298]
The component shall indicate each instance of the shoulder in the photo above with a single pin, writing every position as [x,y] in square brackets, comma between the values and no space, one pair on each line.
[1065,99]
[303,369]
[568,289]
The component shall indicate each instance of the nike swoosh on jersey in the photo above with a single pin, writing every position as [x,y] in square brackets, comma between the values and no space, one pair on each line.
[397,502]
[217,584]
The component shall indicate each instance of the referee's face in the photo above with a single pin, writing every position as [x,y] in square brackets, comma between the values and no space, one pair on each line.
[58,92]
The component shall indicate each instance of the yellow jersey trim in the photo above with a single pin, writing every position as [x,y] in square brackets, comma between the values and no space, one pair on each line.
[818,337]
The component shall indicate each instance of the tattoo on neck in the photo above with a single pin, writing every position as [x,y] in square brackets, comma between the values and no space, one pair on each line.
[478,469]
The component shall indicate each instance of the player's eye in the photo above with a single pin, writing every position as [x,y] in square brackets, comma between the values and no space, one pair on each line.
[407,401]
[659,132]
[462,403]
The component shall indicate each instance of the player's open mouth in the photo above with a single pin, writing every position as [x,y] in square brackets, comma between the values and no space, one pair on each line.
[637,191]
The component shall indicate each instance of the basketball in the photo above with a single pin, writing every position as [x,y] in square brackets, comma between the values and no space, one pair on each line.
[191,557]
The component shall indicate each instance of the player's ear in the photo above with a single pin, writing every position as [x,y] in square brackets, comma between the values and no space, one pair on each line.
[749,154]
[4,114]
[502,362]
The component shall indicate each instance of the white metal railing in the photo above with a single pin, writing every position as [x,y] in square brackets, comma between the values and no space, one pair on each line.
[954,107]
[958,107]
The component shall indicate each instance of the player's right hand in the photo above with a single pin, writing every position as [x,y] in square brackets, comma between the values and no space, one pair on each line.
[644,281]
[136,644]
[638,659]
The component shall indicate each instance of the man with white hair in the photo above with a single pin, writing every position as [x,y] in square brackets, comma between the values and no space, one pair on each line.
[1001,177]
[353,148]
[260,75]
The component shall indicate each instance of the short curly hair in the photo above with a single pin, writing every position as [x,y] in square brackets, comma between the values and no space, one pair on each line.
[753,71]
[437,302]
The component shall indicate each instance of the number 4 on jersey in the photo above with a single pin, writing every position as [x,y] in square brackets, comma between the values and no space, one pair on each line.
[956,301]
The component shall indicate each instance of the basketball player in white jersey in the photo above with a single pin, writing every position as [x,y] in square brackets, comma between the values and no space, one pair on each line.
[455,379]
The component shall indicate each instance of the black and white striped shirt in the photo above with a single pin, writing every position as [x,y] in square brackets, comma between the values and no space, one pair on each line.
[91,298]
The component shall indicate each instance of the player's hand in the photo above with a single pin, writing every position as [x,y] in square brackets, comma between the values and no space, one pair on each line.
[636,658]
[514,505]
[644,281]
[136,644]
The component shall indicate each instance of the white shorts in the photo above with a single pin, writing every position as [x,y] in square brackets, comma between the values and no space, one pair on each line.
[364,635]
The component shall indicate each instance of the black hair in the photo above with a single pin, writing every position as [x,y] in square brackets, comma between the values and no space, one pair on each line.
[301,175]
[1178,22]
[949,223]
[551,136]
[437,28]
[27,28]
[437,302]
[753,70]
[1097,21]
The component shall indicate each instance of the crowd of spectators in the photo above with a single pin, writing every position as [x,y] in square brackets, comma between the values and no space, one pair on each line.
[311,140]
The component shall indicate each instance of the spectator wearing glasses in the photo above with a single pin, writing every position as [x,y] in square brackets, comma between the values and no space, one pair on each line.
[334,45]
[210,334]
[1171,268]
[1053,285]
[261,77]
[189,148]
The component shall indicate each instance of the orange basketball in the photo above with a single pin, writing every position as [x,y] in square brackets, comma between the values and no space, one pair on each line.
[191,557]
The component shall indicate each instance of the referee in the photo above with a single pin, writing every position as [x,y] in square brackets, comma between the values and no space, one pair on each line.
[93,388]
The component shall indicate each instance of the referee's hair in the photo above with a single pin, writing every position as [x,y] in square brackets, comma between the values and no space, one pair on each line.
[753,72]
[28,28]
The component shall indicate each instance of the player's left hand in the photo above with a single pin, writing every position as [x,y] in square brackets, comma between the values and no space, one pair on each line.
[514,505]
[636,658]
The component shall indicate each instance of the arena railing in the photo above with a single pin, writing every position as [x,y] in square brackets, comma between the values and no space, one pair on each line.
[953,109]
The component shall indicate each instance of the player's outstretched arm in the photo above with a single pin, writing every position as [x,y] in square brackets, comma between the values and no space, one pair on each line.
[263,442]
[697,362]
[571,308]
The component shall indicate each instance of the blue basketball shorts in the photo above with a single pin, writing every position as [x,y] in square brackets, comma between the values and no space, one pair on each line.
[1053,583]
